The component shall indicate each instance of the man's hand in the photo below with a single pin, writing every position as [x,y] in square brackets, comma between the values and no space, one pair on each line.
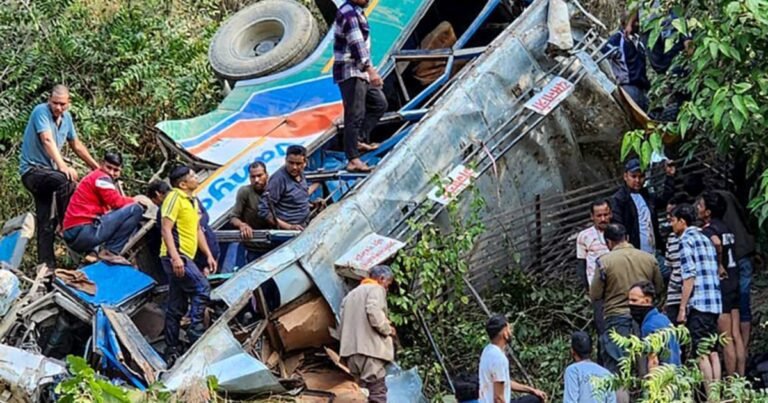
[317,204]
[681,316]
[289,227]
[295,227]
[246,232]
[375,78]
[540,394]
[143,200]
[212,265]
[70,173]
[178,266]
[722,273]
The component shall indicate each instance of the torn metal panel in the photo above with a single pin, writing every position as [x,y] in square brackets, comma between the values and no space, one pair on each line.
[28,373]
[205,358]
[14,237]
[142,354]
[242,373]
[116,285]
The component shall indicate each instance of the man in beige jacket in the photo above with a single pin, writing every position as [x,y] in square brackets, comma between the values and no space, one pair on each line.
[366,333]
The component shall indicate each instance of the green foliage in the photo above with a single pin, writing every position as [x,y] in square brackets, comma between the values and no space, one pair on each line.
[85,387]
[128,64]
[669,383]
[727,81]
[431,270]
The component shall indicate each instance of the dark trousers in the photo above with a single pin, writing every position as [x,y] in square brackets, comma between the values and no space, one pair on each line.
[111,230]
[194,288]
[363,107]
[526,399]
[611,353]
[43,184]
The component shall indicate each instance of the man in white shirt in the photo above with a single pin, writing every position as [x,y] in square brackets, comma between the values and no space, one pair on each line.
[590,245]
[495,383]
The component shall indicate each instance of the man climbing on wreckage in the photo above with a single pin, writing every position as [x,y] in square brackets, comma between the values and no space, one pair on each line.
[182,236]
[359,82]
[99,216]
[44,173]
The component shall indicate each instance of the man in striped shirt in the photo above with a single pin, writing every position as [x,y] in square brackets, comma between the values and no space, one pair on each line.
[359,82]
[672,262]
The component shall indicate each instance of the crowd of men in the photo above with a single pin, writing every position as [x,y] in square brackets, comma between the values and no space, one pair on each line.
[96,220]
[700,275]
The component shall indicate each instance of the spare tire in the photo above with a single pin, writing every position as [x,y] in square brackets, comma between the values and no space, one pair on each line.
[263,38]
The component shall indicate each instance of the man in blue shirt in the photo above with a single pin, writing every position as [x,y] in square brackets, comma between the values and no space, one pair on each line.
[43,170]
[285,203]
[641,297]
[578,376]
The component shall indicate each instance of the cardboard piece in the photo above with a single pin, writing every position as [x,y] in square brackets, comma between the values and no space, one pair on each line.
[306,326]
[337,382]
[337,360]
[293,362]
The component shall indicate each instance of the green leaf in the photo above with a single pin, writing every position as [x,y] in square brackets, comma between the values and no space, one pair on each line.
[656,142]
[737,119]
[741,88]
[645,154]
[713,49]
[750,103]
[685,120]
[680,25]
[738,102]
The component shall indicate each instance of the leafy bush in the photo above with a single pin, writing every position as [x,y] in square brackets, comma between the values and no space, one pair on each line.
[668,383]
[726,80]
[128,64]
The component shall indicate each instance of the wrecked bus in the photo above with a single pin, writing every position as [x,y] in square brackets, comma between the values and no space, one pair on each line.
[517,105]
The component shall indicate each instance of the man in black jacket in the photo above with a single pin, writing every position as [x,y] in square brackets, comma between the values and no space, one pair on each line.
[635,208]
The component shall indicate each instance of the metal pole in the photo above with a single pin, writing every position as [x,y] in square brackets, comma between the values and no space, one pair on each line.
[437,351]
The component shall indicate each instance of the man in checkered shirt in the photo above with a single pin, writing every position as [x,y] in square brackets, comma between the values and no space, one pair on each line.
[359,82]
[701,287]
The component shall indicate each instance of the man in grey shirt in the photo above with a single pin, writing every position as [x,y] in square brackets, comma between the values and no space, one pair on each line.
[285,202]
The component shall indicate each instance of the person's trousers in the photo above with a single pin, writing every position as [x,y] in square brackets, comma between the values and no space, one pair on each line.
[526,399]
[44,184]
[610,352]
[111,230]
[745,286]
[194,288]
[364,105]
[370,373]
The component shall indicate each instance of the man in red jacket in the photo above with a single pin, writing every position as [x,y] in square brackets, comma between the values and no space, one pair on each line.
[99,215]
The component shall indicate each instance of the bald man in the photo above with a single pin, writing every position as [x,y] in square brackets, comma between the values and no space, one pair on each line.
[43,170]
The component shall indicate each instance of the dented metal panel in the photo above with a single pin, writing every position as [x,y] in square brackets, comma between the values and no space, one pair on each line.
[221,354]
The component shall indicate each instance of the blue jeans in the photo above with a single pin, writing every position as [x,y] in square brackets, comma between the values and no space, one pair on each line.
[745,286]
[111,230]
[611,353]
[194,288]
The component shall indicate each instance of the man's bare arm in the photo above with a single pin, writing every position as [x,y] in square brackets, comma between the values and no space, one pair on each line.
[82,151]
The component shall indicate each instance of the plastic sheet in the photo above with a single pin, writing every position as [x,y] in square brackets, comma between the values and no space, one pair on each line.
[404,386]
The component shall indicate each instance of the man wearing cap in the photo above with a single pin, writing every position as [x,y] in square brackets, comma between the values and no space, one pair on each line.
[43,170]
[635,208]
[182,236]
[99,215]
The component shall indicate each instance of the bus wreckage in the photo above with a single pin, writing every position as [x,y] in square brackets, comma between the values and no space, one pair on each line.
[516,102]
